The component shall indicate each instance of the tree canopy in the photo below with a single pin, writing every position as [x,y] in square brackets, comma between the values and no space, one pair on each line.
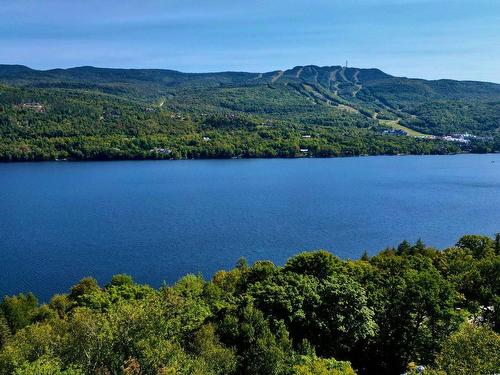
[403,309]
[100,114]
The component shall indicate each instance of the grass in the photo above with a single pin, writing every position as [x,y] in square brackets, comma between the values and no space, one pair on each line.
[394,124]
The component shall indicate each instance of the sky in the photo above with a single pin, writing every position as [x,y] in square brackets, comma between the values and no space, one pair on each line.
[432,39]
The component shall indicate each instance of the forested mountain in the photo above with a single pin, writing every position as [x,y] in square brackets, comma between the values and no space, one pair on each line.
[97,113]
[405,309]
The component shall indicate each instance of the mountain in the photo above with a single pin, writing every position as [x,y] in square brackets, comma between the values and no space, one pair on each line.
[132,113]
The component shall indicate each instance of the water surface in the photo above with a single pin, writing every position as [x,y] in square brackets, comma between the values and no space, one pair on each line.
[158,220]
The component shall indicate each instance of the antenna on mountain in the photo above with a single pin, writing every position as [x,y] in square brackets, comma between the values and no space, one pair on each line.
[346,64]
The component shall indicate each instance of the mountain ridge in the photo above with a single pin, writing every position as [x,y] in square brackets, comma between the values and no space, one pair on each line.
[341,103]
[27,68]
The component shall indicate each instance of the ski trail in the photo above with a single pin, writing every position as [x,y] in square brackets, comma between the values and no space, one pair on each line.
[277,76]
[355,77]
[299,72]
[356,83]
[342,75]
[312,90]
[333,78]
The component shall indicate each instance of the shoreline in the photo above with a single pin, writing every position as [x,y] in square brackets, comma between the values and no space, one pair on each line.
[240,158]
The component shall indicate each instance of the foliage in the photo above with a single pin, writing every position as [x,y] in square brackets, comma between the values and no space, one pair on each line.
[102,114]
[311,365]
[317,314]
[471,350]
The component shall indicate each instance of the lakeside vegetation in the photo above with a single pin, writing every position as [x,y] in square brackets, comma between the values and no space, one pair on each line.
[405,307]
[101,114]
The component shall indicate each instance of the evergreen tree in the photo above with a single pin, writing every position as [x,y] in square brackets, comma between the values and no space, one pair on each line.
[497,244]
[404,248]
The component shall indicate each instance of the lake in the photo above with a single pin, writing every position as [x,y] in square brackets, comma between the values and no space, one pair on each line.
[158,220]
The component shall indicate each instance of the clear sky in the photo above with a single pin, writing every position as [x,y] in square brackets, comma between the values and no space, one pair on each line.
[432,39]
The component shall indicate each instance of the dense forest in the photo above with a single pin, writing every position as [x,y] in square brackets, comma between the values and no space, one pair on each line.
[408,309]
[98,114]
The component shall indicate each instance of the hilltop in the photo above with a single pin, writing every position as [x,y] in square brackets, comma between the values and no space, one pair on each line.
[101,113]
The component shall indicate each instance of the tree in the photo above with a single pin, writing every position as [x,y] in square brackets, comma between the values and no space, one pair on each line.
[312,365]
[27,345]
[20,310]
[84,287]
[470,351]
[414,309]
[497,244]
[46,366]
[343,319]
[5,333]
[419,247]
[481,246]
[261,351]
[292,298]
[404,248]
[332,314]
[121,279]
[60,304]
[487,291]
[206,345]
[260,271]
[380,314]
[320,264]
[478,280]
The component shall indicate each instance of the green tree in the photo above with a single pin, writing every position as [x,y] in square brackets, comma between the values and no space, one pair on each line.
[320,264]
[312,365]
[380,314]
[20,310]
[260,271]
[85,286]
[206,345]
[292,298]
[5,333]
[343,317]
[497,244]
[46,366]
[27,345]
[261,351]
[122,279]
[481,246]
[60,304]
[419,247]
[404,248]
[414,309]
[471,351]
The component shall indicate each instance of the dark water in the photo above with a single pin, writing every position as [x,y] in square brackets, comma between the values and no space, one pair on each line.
[159,220]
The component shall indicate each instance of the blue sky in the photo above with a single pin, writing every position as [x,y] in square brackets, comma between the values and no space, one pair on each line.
[432,39]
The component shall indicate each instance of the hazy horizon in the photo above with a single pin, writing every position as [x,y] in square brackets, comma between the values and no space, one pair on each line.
[429,39]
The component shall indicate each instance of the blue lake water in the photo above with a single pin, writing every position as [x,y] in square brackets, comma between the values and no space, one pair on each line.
[158,220]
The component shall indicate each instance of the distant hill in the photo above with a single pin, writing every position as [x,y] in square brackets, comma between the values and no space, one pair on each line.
[342,106]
